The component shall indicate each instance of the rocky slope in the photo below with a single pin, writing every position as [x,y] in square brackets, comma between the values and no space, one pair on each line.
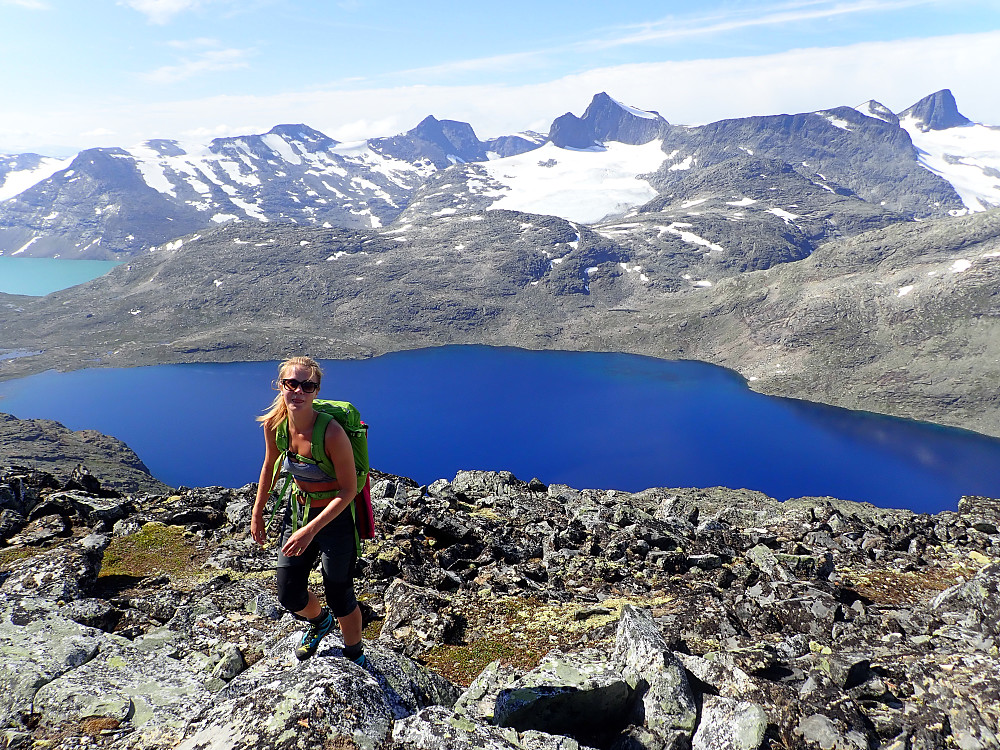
[61,452]
[504,614]
[902,319]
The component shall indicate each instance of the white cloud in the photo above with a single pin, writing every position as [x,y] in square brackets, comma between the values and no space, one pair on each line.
[161,11]
[735,18]
[515,61]
[208,61]
[686,92]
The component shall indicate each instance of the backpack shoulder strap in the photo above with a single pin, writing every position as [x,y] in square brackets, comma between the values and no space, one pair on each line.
[281,435]
[319,443]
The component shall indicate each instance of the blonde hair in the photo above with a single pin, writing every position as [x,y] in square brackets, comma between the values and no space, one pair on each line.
[278,412]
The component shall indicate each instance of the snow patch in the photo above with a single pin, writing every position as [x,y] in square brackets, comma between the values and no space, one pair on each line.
[281,147]
[637,112]
[634,269]
[579,185]
[16,182]
[678,228]
[904,290]
[787,216]
[682,166]
[838,122]
[960,265]
[25,246]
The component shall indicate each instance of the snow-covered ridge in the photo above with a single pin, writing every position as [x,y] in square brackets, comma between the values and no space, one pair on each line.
[17,181]
[231,173]
[968,157]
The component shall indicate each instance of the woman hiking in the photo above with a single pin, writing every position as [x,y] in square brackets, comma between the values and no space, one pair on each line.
[329,531]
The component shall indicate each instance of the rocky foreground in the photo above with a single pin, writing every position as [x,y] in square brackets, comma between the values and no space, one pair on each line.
[503,614]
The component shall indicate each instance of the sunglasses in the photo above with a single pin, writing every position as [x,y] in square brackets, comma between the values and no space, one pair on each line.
[307,386]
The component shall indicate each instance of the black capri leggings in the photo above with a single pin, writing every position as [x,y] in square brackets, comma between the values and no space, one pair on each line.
[335,545]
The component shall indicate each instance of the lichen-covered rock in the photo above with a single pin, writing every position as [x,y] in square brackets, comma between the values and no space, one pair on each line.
[439,728]
[322,702]
[479,700]
[416,618]
[728,724]
[819,731]
[667,702]
[978,599]
[62,574]
[37,646]
[123,683]
[579,694]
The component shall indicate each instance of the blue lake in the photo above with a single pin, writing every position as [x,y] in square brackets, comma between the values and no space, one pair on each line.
[37,277]
[587,420]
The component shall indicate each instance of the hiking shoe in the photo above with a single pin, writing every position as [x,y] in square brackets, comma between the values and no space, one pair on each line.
[360,661]
[312,637]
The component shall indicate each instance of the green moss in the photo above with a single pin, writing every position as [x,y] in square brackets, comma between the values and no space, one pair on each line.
[462,664]
[13,554]
[519,632]
[154,549]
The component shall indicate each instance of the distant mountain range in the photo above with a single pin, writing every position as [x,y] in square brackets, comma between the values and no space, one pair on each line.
[806,177]
[615,232]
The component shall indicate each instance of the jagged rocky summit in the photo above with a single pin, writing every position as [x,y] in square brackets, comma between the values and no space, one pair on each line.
[503,614]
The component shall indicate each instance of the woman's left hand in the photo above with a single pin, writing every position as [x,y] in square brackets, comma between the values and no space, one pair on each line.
[298,542]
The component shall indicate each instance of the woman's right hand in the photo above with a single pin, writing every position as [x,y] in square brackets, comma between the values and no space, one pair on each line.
[258,529]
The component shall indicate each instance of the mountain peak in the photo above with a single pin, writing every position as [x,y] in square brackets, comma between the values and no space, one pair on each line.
[938,111]
[303,134]
[879,111]
[610,120]
[455,138]
[570,131]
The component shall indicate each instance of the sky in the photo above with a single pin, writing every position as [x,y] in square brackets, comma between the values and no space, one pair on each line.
[83,73]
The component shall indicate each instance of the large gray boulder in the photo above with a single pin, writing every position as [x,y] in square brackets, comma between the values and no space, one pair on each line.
[439,728]
[728,724]
[59,575]
[322,702]
[156,695]
[36,647]
[667,702]
[416,618]
[580,694]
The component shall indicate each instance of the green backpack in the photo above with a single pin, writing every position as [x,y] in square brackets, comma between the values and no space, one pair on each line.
[349,418]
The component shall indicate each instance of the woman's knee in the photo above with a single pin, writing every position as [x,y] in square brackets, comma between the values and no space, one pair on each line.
[340,597]
[292,593]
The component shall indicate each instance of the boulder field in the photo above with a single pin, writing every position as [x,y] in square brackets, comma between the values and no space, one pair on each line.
[502,614]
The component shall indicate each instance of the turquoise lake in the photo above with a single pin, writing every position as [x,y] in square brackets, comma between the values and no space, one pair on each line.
[37,277]
[609,421]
